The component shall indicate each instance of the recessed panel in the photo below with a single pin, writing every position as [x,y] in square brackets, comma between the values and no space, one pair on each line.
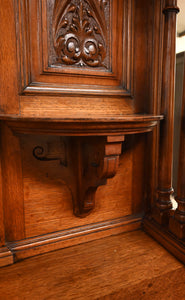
[72,46]
[47,198]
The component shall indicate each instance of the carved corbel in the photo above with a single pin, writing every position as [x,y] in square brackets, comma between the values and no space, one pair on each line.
[86,164]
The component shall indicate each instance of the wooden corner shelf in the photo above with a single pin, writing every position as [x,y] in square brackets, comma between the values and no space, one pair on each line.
[80,79]
[102,126]
[92,148]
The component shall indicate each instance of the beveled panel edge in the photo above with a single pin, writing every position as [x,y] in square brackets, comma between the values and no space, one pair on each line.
[29,87]
[21,9]
[42,88]
[127,86]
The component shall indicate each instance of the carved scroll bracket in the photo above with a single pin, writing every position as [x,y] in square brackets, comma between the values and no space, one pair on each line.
[86,164]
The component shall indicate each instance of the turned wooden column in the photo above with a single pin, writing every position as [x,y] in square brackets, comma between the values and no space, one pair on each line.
[163,204]
[177,222]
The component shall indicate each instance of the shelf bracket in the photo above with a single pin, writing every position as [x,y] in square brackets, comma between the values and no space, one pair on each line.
[86,164]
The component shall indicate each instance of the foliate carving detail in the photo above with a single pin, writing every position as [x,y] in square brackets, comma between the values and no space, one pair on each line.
[80,32]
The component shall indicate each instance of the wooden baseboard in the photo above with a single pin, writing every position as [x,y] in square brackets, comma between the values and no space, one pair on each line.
[165,238]
[6,257]
[58,240]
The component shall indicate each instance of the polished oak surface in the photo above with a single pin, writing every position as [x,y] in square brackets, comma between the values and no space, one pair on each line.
[126,266]
[166,224]
[177,221]
[165,190]
[86,116]
[102,126]
[79,111]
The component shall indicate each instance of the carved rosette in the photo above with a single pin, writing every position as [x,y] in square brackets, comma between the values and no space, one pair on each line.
[80,32]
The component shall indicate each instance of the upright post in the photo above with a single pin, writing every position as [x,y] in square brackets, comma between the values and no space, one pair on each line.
[163,204]
[177,222]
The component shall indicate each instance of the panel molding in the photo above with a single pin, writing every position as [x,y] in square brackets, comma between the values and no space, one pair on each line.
[35,88]
[65,238]
[31,20]
[168,240]
[6,257]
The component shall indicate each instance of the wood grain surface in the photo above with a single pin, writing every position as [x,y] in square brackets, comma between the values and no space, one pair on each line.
[9,98]
[177,223]
[103,78]
[165,190]
[48,201]
[127,266]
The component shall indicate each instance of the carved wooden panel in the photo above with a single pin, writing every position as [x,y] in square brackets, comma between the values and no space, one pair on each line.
[75,46]
[80,33]
[76,63]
